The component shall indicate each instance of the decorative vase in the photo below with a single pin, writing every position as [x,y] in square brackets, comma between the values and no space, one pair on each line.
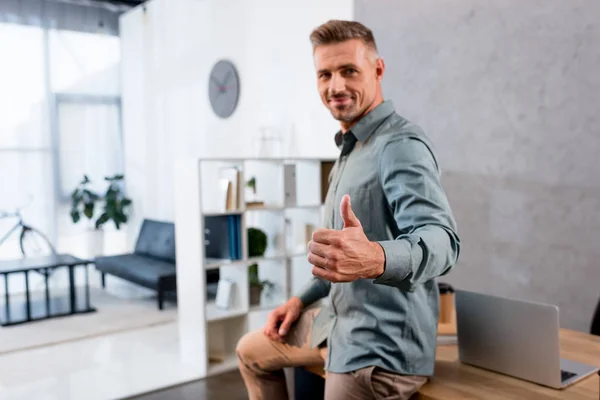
[255,292]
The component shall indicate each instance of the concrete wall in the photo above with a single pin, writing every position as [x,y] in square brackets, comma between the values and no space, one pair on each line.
[510,93]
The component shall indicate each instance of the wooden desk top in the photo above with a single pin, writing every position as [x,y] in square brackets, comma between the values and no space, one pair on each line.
[454,380]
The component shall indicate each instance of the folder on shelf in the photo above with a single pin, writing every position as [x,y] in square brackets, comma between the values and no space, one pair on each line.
[234,237]
[223,237]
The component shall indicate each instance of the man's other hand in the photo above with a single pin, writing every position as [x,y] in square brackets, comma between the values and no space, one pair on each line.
[281,319]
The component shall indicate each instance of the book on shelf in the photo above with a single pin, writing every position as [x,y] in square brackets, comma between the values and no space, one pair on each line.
[230,187]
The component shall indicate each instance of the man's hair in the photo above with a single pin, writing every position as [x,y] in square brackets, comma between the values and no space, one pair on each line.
[336,31]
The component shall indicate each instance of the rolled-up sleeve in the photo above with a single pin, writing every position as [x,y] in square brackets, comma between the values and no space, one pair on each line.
[426,245]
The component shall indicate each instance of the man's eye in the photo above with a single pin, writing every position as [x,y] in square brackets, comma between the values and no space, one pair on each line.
[324,75]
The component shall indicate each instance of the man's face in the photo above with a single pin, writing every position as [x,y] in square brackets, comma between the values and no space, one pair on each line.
[348,75]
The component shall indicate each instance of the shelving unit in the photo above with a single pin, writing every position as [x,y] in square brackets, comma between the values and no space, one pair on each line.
[211,222]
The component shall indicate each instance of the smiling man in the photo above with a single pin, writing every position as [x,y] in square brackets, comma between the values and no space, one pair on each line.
[389,232]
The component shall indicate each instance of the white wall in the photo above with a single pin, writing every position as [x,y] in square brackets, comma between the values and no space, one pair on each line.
[168,49]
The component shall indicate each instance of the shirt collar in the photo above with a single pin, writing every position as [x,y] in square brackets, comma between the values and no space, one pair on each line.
[368,123]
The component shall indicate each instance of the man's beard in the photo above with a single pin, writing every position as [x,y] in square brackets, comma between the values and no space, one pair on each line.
[346,114]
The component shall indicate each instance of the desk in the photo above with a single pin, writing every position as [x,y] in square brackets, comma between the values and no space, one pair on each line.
[454,380]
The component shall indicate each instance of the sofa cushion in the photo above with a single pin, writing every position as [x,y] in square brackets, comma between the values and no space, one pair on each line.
[157,240]
[141,270]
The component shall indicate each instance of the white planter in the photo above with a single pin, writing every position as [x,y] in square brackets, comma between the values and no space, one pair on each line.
[95,243]
[115,241]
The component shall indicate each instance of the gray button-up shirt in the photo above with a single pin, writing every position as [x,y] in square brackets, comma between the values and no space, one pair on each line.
[393,179]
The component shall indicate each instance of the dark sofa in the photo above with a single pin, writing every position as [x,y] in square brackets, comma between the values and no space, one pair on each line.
[152,264]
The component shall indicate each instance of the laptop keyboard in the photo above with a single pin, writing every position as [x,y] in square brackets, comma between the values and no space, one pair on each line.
[564,375]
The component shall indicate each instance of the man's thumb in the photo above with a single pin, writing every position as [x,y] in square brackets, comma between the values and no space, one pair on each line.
[286,324]
[350,220]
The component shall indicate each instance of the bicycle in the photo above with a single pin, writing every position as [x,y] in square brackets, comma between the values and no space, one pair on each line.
[31,240]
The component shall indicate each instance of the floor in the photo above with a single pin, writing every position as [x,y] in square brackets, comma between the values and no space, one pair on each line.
[228,386]
[116,312]
[110,367]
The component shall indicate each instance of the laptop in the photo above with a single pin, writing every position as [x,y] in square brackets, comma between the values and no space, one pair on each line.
[514,337]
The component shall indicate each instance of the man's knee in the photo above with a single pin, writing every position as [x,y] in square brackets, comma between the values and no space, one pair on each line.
[248,347]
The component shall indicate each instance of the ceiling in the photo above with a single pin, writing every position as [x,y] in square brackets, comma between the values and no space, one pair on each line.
[112,5]
[127,3]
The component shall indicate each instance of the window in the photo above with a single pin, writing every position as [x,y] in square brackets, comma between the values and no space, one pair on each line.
[89,141]
[59,119]
[26,173]
[84,63]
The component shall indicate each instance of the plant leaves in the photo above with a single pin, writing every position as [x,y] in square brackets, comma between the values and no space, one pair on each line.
[90,196]
[113,178]
[75,216]
[76,200]
[88,209]
[102,220]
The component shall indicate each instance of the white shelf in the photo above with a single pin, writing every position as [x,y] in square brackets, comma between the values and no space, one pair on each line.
[271,208]
[276,257]
[206,330]
[216,213]
[214,313]
[212,263]
[265,307]
[304,206]
[298,254]
[229,364]
[283,208]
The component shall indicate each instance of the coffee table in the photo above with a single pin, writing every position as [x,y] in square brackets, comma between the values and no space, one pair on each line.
[12,313]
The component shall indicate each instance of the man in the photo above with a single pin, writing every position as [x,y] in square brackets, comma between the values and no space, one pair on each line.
[379,256]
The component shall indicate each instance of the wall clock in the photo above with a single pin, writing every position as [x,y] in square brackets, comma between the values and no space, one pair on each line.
[224,88]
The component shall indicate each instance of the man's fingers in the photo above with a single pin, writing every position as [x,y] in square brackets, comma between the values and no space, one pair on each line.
[317,248]
[286,324]
[327,275]
[317,260]
[324,236]
[270,328]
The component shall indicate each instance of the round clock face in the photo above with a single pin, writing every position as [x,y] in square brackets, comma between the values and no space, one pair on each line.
[223,88]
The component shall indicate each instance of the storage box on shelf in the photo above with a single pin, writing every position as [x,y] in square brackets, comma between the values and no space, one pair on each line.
[217,201]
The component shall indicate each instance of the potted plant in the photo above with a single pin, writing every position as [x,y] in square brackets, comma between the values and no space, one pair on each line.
[114,207]
[251,184]
[257,245]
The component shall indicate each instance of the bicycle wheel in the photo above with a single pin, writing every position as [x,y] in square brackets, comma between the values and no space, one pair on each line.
[34,243]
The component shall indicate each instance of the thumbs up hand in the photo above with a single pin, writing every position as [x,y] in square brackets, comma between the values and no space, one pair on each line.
[345,255]
[350,220]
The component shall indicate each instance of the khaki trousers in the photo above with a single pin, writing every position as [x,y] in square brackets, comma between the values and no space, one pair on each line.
[261,363]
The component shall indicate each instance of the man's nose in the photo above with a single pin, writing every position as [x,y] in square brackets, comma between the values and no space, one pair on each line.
[336,84]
